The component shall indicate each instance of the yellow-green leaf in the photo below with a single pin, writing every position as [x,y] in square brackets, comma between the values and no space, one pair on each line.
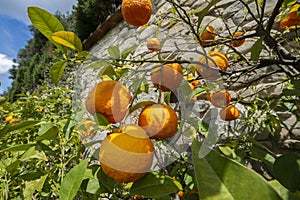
[72,181]
[219,177]
[68,39]
[45,22]
[57,71]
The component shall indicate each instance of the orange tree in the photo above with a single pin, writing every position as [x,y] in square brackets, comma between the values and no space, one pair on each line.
[203,159]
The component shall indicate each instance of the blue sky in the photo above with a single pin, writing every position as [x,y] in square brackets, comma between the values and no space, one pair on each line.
[14,32]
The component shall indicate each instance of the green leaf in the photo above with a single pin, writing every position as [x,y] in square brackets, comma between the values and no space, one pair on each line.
[226,150]
[218,177]
[50,134]
[107,71]
[284,193]
[197,92]
[45,22]
[35,185]
[72,181]
[295,83]
[114,52]
[153,185]
[287,171]
[127,51]
[97,65]
[256,49]
[57,70]
[20,147]
[288,3]
[93,185]
[68,39]
[263,156]
[19,126]
[107,184]
[33,153]
[100,119]
[293,92]
[203,13]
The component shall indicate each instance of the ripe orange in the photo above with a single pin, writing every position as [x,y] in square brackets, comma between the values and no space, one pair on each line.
[292,19]
[109,98]
[208,34]
[180,193]
[211,74]
[293,11]
[153,44]
[159,121]
[167,77]
[192,83]
[136,12]
[229,113]
[219,98]
[126,156]
[9,118]
[237,43]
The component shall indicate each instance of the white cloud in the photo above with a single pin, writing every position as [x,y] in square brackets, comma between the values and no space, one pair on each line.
[17,9]
[5,63]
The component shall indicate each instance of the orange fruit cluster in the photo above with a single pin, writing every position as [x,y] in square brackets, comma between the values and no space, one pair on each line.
[213,60]
[221,99]
[136,13]
[292,19]
[129,143]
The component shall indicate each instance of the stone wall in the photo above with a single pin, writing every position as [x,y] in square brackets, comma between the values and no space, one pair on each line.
[179,43]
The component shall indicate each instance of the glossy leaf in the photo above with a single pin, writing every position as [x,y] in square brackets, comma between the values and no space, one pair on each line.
[51,133]
[57,71]
[33,153]
[288,3]
[114,52]
[287,171]
[153,185]
[19,126]
[34,185]
[256,49]
[93,185]
[263,156]
[284,193]
[45,22]
[20,147]
[107,184]
[127,51]
[218,177]
[203,13]
[100,119]
[72,181]
[97,65]
[68,39]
